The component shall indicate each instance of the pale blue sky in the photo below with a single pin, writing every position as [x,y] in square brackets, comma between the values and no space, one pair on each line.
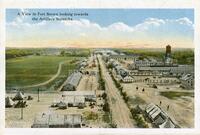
[103,27]
[105,17]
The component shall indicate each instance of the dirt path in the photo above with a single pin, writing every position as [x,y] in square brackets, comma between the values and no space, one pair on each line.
[120,112]
[48,81]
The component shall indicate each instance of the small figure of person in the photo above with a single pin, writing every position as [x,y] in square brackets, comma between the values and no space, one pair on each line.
[167,107]
[137,88]
[160,103]
[143,90]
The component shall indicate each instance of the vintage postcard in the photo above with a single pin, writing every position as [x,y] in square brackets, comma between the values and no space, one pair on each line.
[100,70]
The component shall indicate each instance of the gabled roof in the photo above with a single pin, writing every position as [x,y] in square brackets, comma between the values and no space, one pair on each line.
[159,120]
[155,113]
[186,77]
[150,107]
[73,119]
[167,124]
[55,119]
[74,78]
[74,99]
[41,119]
[79,93]
[128,77]
[159,117]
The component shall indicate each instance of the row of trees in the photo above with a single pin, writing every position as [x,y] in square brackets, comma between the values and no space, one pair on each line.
[101,80]
[106,106]
[14,53]
[184,56]
[138,117]
[75,53]
[120,88]
[136,114]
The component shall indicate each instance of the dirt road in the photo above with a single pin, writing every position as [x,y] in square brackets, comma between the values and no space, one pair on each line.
[120,112]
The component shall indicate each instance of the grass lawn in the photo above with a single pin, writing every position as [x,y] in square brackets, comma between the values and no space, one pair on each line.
[34,69]
[136,100]
[174,95]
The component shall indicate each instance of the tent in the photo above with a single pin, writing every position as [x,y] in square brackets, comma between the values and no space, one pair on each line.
[9,102]
[19,96]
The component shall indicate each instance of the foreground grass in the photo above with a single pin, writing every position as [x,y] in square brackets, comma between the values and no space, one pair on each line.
[174,95]
[34,69]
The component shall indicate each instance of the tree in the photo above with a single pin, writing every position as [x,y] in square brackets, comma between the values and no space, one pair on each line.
[106,107]
[62,53]
[104,95]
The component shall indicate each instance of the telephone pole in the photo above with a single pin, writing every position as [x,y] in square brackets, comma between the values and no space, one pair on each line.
[38,95]
[22,112]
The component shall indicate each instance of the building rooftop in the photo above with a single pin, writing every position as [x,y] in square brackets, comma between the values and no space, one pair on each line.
[74,78]
[57,120]
[78,93]
[186,77]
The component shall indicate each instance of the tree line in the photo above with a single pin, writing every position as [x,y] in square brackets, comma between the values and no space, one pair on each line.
[185,56]
[14,53]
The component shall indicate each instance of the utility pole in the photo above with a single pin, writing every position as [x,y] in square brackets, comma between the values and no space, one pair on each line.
[38,95]
[22,111]
[22,105]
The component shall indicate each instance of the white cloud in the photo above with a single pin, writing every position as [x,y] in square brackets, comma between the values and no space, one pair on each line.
[82,23]
[184,21]
[151,28]
[83,34]
[120,26]
[149,22]
[154,21]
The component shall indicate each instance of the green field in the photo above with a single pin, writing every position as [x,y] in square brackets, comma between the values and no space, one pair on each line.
[174,95]
[31,70]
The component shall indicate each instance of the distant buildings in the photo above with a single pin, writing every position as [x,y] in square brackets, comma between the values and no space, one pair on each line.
[177,70]
[120,70]
[146,63]
[187,81]
[150,66]
[128,79]
[105,52]
[122,57]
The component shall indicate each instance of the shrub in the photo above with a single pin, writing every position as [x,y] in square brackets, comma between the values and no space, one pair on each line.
[104,95]
[106,107]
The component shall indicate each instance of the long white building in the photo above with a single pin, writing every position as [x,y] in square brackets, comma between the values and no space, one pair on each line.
[180,69]
[72,82]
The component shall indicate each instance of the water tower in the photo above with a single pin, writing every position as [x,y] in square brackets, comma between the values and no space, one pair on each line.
[168,58]
[168,51]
